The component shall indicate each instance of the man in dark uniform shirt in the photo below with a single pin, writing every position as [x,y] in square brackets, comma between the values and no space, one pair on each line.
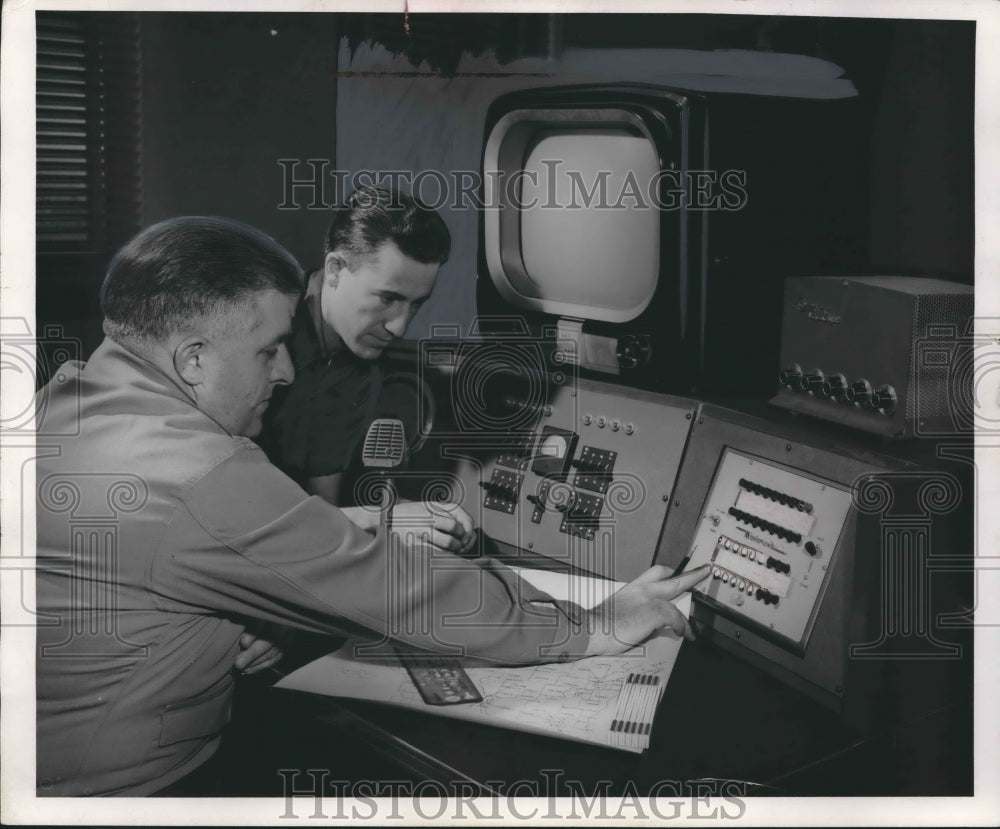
[383,252]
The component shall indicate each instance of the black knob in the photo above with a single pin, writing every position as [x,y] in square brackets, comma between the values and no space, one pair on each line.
[633,351]
[883,399]
[790,376]
[538,502]
[835,386]
[858,392]
[811,382]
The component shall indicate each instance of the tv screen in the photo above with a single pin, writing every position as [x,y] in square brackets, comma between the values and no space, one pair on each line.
[590,236]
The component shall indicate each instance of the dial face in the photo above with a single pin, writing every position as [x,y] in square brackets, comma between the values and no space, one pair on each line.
[553,446]
[553,453]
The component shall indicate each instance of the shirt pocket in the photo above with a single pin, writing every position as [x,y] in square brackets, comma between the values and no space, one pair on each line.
[202,716]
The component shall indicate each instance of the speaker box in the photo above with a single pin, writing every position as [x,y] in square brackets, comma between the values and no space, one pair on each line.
[891,355]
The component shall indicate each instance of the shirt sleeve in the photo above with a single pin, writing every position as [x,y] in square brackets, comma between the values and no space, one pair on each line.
[249,543]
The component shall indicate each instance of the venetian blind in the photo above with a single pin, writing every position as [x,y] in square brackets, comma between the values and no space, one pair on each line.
[87,130]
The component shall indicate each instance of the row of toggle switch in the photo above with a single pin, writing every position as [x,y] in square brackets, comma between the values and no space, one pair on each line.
[743,585]
[744,550]
[726,577]
[767,526]
[835,388]
[778,497]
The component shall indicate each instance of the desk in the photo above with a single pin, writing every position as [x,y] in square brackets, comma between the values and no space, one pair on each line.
[721,720]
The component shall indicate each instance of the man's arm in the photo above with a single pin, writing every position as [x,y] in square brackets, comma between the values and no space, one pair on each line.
[247,541]
[445,526]
[326,487]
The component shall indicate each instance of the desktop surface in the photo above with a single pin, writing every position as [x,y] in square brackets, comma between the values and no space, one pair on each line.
[723,728]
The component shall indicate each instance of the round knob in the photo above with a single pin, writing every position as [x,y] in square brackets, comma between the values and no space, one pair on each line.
[632,352]
[883,399]
[811,382]
[790,376]
[858,392]
[835,386]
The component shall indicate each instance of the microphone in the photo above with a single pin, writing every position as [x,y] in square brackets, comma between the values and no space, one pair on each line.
[385,444]
[384,450]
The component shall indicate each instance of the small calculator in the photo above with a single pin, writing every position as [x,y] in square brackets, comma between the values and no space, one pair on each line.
[441,681]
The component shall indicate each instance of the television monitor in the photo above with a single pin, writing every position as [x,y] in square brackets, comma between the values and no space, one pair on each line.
[612,252]
[656,225]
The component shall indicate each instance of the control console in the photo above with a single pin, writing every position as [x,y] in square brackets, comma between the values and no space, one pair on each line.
[588,484]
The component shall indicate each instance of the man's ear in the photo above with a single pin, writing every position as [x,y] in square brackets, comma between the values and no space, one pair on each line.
[189,359]
[334,263]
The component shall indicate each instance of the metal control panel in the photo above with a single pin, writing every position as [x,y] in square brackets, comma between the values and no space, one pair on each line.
[590,484]
[770,533]
[795,584]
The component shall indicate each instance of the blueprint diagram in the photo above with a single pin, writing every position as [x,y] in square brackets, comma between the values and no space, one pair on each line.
[572,700]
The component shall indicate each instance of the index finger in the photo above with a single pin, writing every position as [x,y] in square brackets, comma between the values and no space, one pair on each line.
[685,581]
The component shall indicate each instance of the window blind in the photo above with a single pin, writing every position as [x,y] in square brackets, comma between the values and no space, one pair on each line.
[87,115]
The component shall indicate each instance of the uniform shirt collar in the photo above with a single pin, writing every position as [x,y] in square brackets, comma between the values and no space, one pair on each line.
[307,350]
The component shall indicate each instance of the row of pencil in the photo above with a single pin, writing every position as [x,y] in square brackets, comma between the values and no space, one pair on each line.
[637,703]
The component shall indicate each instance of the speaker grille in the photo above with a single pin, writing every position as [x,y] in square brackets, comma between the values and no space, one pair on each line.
[942,362]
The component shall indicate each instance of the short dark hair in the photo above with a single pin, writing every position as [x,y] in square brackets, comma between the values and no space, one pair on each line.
[374,215]
[186,268]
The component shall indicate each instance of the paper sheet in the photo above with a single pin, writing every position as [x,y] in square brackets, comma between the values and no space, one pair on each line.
[573,700]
